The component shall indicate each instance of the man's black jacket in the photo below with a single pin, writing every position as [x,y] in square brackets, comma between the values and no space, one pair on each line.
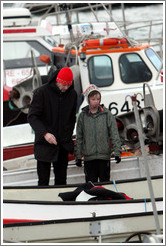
[54,112]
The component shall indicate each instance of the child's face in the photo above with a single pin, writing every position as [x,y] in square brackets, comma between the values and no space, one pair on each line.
[94,101]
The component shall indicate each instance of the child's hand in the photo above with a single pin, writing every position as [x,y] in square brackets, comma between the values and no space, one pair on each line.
[117,159]
[78,163]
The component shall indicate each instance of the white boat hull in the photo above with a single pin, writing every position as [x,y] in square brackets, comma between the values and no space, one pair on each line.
[134,188]
[22,171]
[114,229]
[40,211]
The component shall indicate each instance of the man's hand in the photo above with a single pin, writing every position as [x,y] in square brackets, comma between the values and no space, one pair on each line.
[50,138]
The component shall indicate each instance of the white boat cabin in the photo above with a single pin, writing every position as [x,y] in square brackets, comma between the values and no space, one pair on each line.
[118,66]
[19,38]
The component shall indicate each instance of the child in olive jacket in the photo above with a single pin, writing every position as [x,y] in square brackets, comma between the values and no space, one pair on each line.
[95,127]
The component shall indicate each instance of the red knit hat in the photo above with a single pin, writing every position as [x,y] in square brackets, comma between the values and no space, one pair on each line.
[65,76]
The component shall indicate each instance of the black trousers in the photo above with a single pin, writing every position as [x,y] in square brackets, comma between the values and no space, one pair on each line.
[59,167]
[97,169]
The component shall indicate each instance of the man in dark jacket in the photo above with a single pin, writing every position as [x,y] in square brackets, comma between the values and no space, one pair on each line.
[52,116]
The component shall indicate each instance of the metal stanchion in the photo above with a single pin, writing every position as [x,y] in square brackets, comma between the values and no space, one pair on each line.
[139,126]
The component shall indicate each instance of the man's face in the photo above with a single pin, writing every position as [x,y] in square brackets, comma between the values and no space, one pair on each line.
[62,87]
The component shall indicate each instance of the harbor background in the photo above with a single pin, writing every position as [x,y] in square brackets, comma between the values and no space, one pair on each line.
[133,13]
[147,21]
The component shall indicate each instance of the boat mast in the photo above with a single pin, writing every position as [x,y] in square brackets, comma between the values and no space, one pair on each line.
[65,7]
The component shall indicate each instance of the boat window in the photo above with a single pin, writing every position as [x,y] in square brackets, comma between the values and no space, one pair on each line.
[133,69]
[154,58]
[100,70]
[17,54]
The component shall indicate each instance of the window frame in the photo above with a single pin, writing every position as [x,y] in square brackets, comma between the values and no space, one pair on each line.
[92,57]
[134,82]
[151,60]
[23,64]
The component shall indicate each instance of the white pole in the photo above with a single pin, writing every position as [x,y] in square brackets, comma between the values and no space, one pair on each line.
[139,126]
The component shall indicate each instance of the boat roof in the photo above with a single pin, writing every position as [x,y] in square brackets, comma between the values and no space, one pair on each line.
[17,22]
[103,49]
[16,17]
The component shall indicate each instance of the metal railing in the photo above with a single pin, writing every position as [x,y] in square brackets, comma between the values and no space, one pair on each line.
[129,28]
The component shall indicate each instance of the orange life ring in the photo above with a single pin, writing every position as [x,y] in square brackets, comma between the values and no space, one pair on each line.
[102,42]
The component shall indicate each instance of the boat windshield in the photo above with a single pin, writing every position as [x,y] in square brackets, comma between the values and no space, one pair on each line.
[101,70]
[154,58]
[17,54]
[133,69]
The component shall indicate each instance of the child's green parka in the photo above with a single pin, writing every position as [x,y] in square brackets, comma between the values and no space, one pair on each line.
[93,134]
